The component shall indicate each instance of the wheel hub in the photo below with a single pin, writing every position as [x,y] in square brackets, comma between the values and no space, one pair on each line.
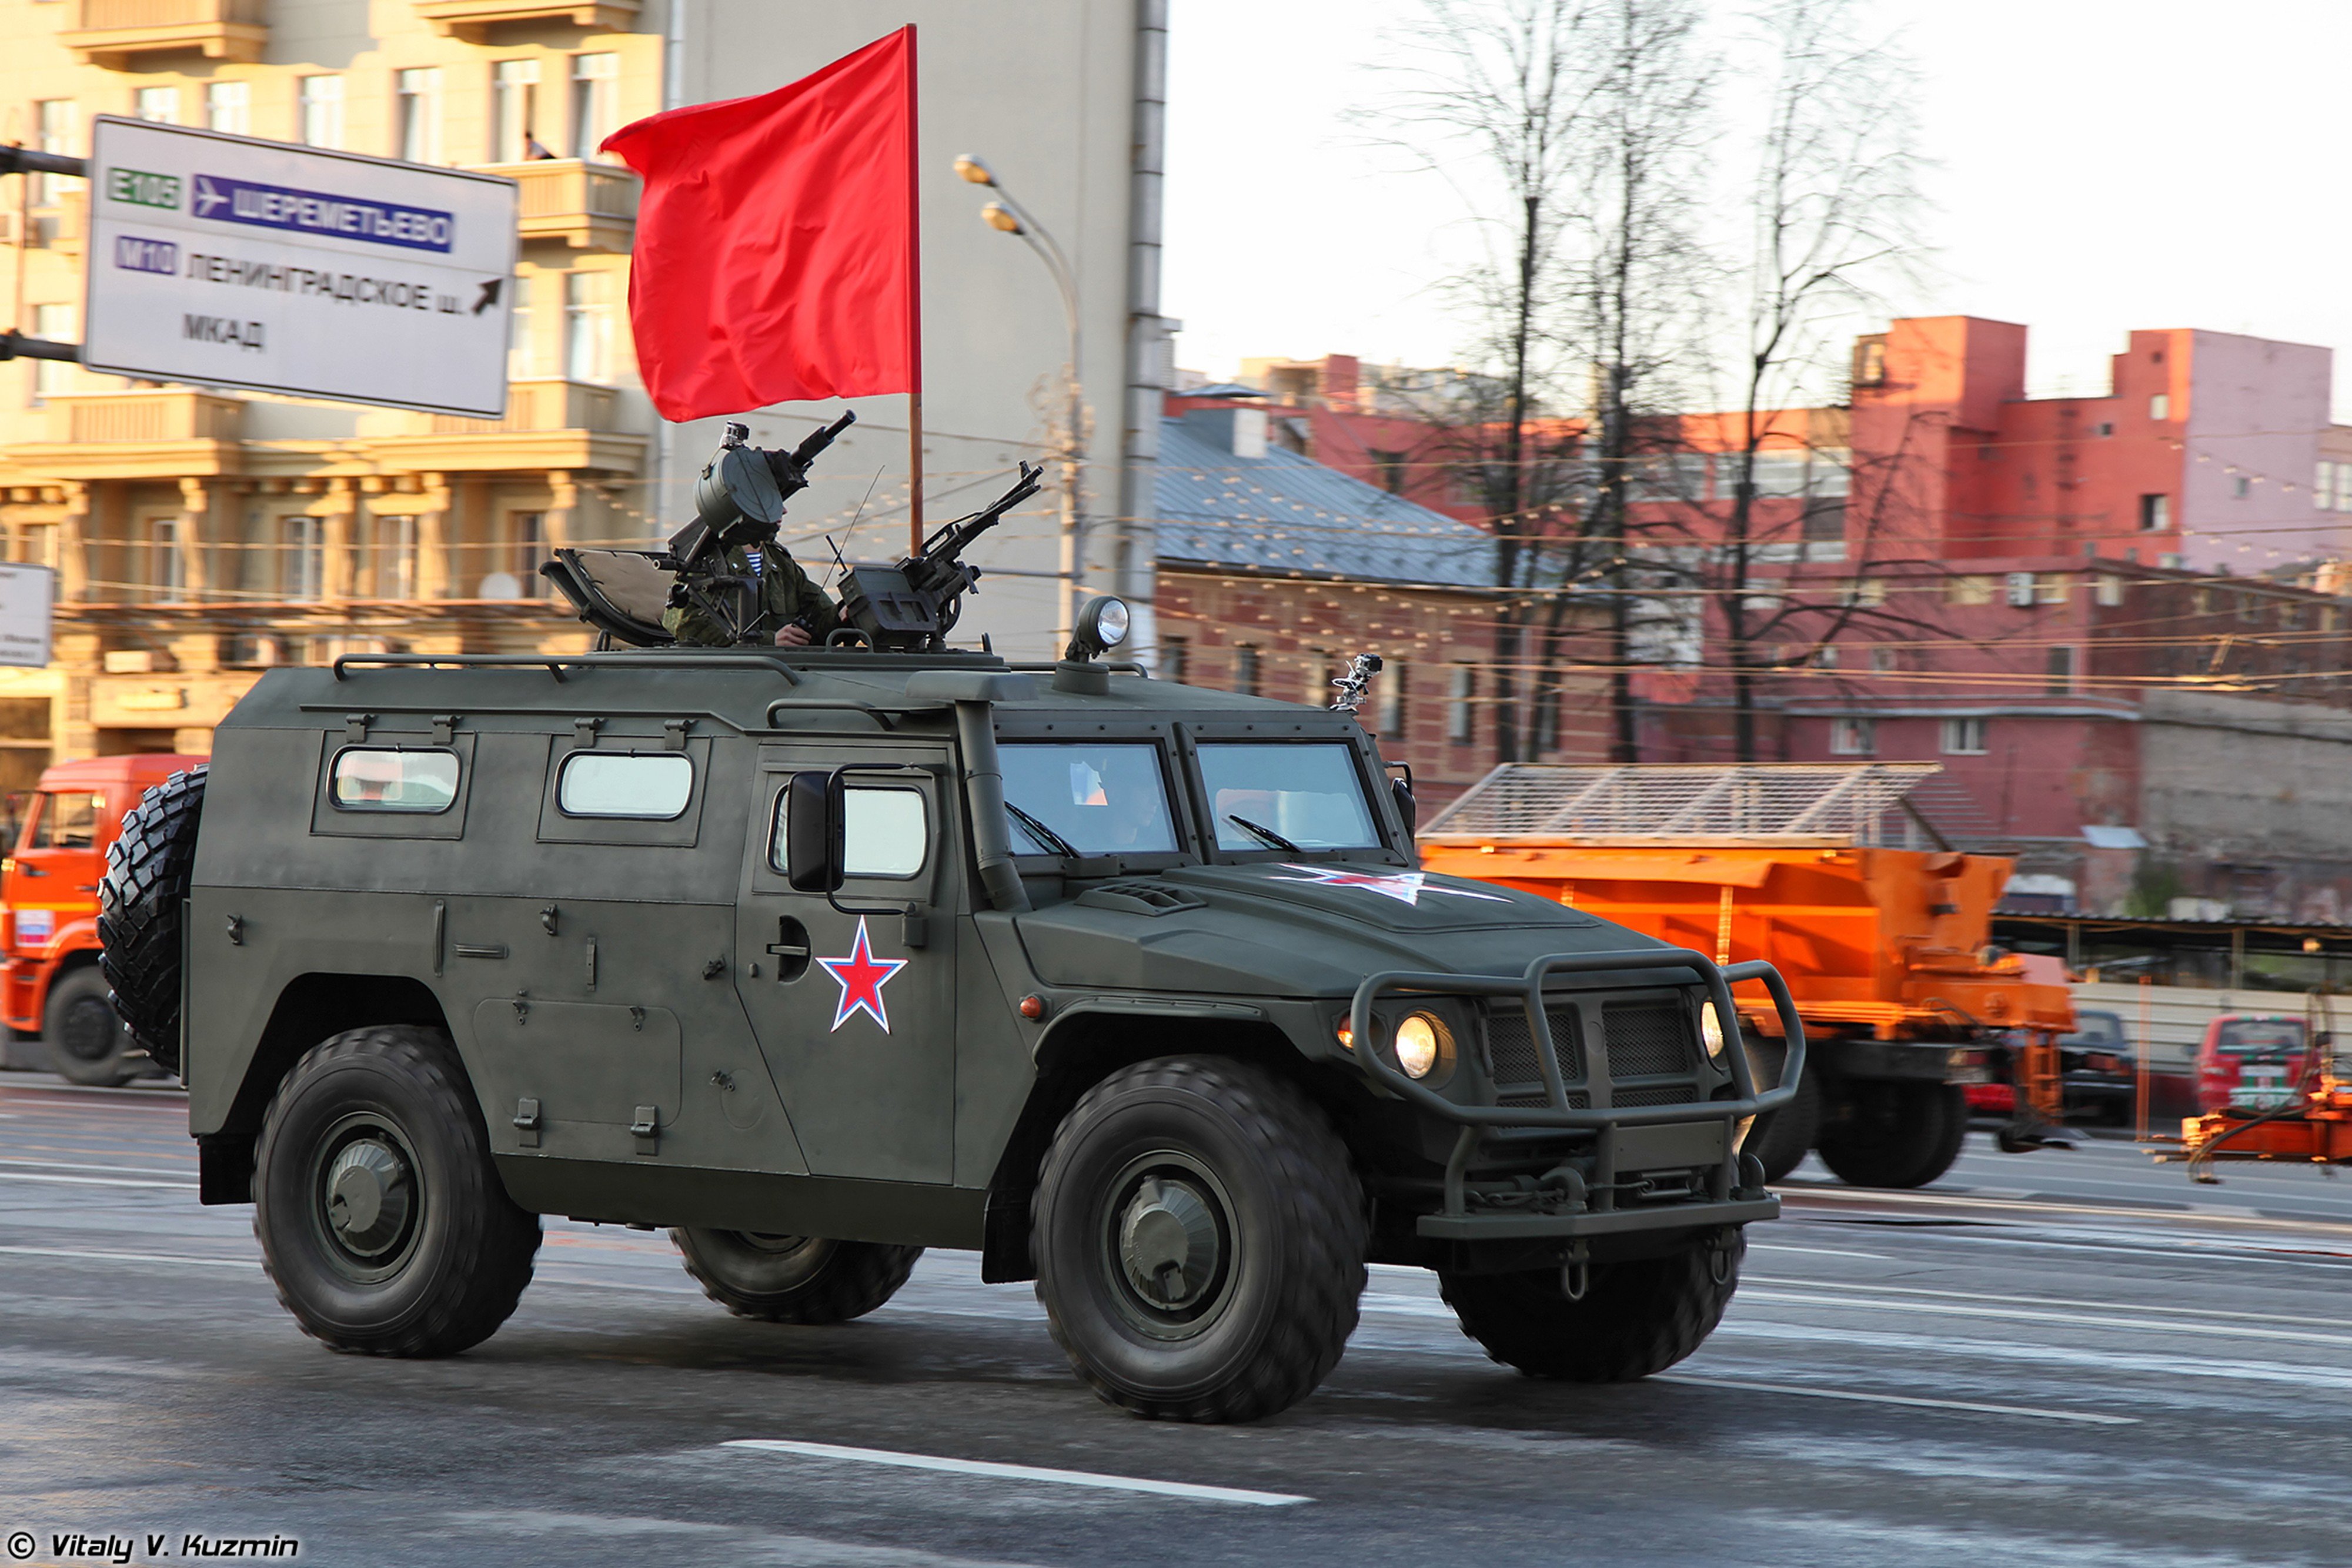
[89,1031]
[1170,1243]
[369,1196]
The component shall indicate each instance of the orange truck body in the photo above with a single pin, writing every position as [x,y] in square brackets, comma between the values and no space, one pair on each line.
[48,882]
[1888,941]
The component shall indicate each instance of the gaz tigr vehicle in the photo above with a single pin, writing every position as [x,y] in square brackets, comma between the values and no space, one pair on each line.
[821,956]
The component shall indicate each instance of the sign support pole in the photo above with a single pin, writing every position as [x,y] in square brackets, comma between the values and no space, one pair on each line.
[914,473]
[913,309]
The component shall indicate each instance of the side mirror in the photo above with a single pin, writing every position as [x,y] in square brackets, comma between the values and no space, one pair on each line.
[1407,807]
[814,811]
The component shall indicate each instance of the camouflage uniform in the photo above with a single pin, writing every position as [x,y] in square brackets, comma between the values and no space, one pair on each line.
[786,594]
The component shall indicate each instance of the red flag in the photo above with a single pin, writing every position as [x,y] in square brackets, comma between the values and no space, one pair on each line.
[775,259]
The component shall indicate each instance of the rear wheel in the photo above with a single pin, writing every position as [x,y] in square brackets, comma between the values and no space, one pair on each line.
[1896,1134]
[381,1219]
[794,1278]
[87,1041]
[1199,1240]
[1636,1317]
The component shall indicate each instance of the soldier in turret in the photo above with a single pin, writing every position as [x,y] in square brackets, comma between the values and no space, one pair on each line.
[800,613]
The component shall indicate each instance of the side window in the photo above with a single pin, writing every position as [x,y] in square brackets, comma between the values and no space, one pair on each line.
[382,779]
[886,832]
[68,821]
[655,787]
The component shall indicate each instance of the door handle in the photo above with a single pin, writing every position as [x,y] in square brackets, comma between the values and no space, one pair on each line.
[24,870]
[86,887]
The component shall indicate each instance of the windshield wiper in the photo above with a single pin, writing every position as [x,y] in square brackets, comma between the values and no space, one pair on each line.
[1040,831]
[1264,834]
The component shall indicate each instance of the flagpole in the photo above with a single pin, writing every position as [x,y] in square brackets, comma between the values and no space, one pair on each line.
[914,308]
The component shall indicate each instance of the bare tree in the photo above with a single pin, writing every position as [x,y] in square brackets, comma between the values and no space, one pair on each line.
[1832,202]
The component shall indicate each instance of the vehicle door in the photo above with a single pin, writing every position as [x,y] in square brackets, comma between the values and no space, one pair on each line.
[852,997]
[55,879]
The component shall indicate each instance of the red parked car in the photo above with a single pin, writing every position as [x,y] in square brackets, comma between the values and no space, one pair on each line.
[2254,1062]
[49,983]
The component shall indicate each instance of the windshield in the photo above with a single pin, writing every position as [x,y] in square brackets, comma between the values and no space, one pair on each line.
[2246,1037]
[1287,796]
[1086,799]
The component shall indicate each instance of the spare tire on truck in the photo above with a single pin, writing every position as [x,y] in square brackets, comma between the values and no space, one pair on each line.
[141,903]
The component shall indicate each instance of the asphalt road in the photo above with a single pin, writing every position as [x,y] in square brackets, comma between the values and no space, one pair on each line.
[2054,1358]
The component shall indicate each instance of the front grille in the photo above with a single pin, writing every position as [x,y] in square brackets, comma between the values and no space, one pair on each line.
[1656,1094]
[1647,1040]
[1511,1056]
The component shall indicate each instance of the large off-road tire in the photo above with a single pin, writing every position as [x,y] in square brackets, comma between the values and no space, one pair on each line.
[1895,1134]
[1781,1139]
[141,903]
[86,1040]
[381,1220]
[1637,1317]
[794,1279]
[1199,1236]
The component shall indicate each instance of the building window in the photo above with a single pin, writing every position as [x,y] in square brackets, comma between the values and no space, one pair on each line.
[596,79]
[417,115]
[56,323]
[1543,722]
[522,348]
[321,106]
[1245,671]
[167,558]
[1968,590]
[302,574]
[526,548]
[53,123]
[585,333]
[158,105]
[393,563]
[1854,738]
[1390,713]
[2110,590]
[1175,658]
[1870,361]
[1390,465]
[2061,672]
[1964,737]
[1461,705]
[514,108]
[228,106]
[2160,407]
[1885,660]
[2239,486]
[2322,488]
[2155,513]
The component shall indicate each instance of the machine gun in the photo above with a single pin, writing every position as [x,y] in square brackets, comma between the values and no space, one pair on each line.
[737,503]
[912,606]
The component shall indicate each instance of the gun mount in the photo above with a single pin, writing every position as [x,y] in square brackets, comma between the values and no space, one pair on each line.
[910,607]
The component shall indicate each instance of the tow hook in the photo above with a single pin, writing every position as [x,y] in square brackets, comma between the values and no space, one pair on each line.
[1718,1257]
[1576,1272]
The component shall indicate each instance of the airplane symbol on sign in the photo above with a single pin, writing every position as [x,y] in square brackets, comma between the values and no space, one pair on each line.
[208,196]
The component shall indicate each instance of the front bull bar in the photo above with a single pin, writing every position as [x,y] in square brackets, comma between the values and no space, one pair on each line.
[1528,987]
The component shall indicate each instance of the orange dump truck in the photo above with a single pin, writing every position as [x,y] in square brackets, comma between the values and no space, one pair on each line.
[1881,928]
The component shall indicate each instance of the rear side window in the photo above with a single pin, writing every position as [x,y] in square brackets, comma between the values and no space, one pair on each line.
[66,821]
[382,779]
[655,789]
[884,832]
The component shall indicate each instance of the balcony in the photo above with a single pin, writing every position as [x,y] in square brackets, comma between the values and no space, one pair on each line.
[115,33]
[472,19]
[588,206]
[535,406]
[550,425]
[144,417]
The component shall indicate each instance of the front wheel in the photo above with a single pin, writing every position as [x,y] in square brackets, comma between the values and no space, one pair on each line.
[1896,1134]
[794,1278]
[1199,1238]
[381,1219]
[87,1041]
[1636,1317]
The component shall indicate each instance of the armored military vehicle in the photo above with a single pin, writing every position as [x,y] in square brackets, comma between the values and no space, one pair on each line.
[820,957]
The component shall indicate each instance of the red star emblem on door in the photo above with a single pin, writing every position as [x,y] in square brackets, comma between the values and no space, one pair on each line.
[861,977]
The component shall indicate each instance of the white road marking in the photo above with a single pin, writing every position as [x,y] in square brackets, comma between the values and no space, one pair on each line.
[2070,1320]
[1817,1252]
[1877,1290]
[1019,1472]
[94,1181]
[132,1257]
[2308,1377]
[2086,1417]
[73,1165]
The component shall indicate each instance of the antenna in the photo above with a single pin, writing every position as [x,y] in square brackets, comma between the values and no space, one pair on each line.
[854,520]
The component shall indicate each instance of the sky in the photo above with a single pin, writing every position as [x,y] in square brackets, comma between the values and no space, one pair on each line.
[2095,166]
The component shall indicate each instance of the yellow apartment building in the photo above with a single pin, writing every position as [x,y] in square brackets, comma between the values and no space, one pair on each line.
[202,536]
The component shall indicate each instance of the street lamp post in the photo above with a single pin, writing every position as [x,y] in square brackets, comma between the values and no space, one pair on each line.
[1008,216]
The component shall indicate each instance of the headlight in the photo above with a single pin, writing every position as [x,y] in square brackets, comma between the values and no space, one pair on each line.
[1347,1034]
[1420,1042]
[1710,1029]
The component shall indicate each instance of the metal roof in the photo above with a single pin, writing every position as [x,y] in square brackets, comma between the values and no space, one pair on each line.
[1754,802]
[1287,513]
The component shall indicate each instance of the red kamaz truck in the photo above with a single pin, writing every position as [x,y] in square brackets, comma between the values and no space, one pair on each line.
[49,984]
